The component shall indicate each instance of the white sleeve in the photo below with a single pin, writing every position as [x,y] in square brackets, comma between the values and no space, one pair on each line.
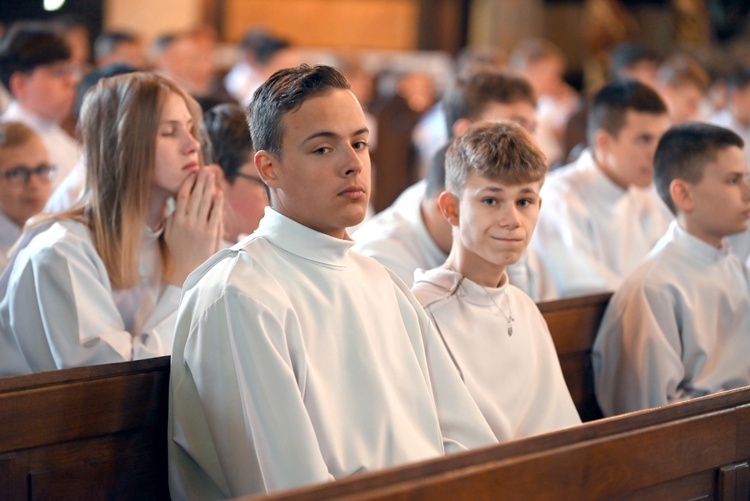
[250,384]
[62,306]
[637,353]
[566,247]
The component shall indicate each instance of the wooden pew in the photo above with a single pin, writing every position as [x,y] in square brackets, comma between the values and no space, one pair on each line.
[86,433]
[693,450]
[100,431]
[573,324]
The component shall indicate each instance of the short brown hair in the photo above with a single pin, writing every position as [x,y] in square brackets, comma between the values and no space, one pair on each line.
[501,150]
[14,134]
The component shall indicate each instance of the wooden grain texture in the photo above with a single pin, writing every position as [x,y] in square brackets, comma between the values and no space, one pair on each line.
[573,324]
[87,433]
[673,452]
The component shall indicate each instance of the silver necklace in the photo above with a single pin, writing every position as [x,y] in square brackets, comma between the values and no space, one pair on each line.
[508,318]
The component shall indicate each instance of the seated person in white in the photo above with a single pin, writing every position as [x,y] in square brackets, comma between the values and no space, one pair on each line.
[296,360]
[736,115]
[36,67]
[101,282]
[69,190]
[678,326]
[407,237]
[25,182]
[601,216]
[494,332]
[245,194]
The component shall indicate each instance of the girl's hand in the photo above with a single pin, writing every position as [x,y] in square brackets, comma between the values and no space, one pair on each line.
[193,231]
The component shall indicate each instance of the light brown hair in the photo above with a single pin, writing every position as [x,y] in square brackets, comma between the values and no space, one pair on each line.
[500,150]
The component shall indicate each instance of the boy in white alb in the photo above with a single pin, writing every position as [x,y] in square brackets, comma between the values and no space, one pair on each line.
[601,216]
[494,332]
[36,67]
[679,326]
[410,236]
[296,360]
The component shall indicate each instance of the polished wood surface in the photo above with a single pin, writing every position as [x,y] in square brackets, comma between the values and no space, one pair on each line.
[86,433]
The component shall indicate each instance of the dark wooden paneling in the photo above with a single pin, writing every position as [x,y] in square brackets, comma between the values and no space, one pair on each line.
[86,433]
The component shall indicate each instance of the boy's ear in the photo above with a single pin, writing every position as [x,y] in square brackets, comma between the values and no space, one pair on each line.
[460,125]
[267,165]
[602,139]
[448,203]
[17,84]
[682,195]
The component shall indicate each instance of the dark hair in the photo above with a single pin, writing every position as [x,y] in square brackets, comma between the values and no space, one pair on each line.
[227,129]
[683,152]
[628,54]
[262,45]
[108,41]
[611,104]
[285,91]
[28,45]
[501,150]
[93,77]
[738,78]
[468,96]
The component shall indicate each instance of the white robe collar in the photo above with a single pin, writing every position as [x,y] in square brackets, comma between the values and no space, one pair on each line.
[607,189]
[302,241]
[697,248]
[459,285]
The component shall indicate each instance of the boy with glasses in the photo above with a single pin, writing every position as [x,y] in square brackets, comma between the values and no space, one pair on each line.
[25,181]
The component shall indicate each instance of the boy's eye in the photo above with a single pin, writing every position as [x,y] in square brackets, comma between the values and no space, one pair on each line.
[360,145]
[489,201]
[525,202]
[322,150]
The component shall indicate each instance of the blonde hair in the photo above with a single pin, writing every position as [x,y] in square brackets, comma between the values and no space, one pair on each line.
[118,127]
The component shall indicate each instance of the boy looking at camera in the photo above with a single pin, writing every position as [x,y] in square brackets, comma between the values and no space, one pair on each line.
[494,332]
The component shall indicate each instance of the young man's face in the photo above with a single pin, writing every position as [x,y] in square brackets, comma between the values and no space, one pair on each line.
[496,221]
[48,91]
[683,102]
[322,178]
[18,200]
[628,158]
[721,199]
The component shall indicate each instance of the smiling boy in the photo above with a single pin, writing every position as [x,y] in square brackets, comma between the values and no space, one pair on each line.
[297,360]
[494,332]
[678,327]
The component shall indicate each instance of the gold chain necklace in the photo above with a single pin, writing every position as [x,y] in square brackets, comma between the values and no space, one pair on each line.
[508,318]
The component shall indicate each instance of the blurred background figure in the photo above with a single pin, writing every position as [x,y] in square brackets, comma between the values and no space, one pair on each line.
[683,84]
[245,193]
[25,181]
[262,54]
[119,47]
[634,60]
[37,67]
[542,64]
[736,115]
[188,59]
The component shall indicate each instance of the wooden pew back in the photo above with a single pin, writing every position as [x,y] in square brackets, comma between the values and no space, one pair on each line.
[693,450]
[86,433]
[573,324]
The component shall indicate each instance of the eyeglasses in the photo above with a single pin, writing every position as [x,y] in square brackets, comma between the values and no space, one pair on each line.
[250,177]
[19,176]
